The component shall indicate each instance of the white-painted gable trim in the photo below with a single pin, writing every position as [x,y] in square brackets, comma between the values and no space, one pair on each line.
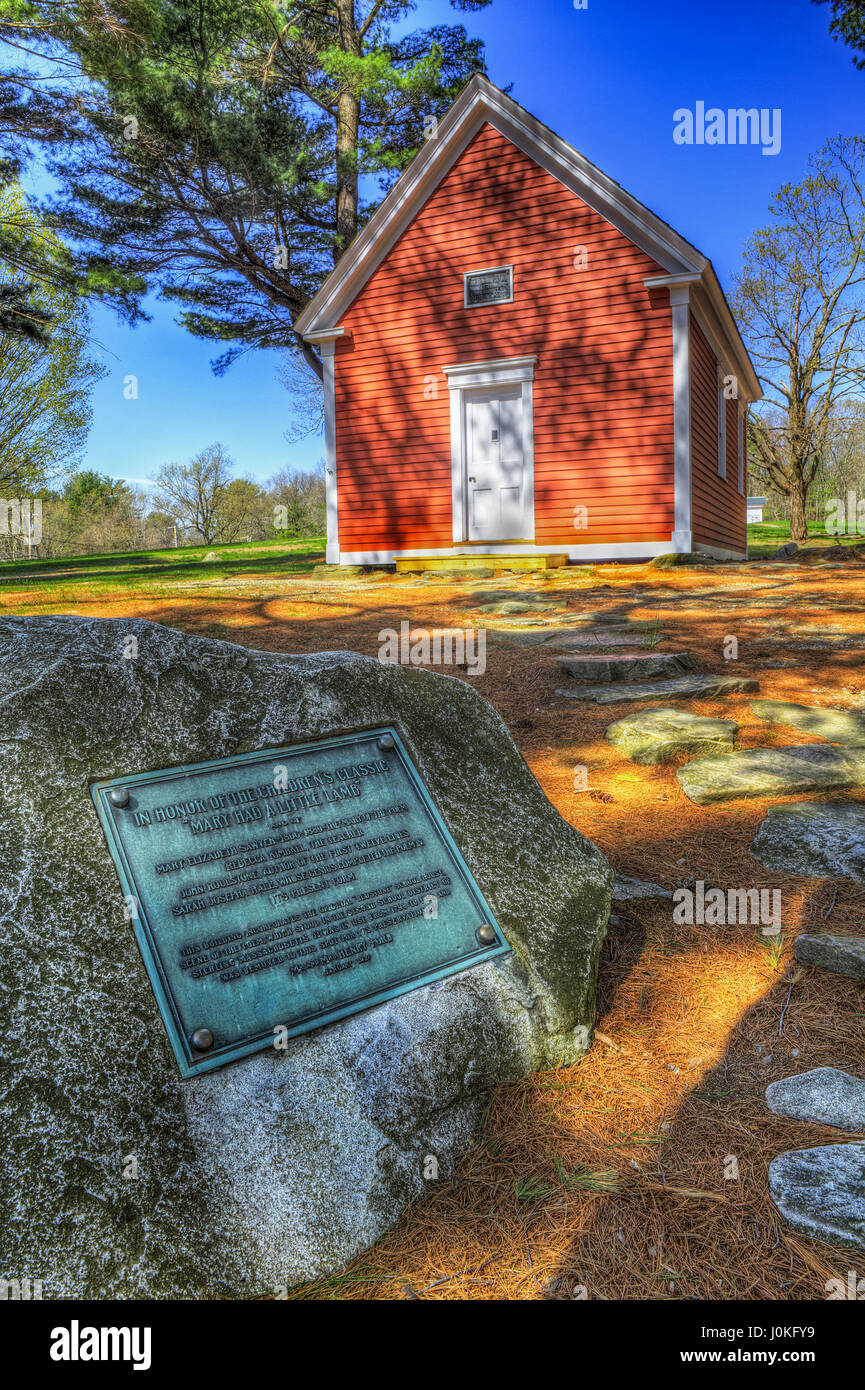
[478,103]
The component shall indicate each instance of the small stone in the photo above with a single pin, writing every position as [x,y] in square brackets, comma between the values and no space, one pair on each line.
[633,666]
[655,735]
[834,725]
[821,839]
[821,1192]
[771,772]
[824,1096]
[845,955]
[703,687]
[626,889]
[785,552]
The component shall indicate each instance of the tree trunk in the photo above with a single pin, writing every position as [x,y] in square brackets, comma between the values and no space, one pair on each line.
[798,521]
[347,128]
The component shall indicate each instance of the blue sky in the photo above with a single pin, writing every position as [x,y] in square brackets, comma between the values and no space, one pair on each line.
[607,78]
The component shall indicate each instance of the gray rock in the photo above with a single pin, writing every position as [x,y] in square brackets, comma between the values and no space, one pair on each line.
[824,1096]
[284,1165]
[514,602]
[784,552]
[834,725]
[697,687]
[821,839]
[564,638]
[771,772]
[845,955]
[323,571]
[635,666]
[821,1192]
[627,889]
[654,735]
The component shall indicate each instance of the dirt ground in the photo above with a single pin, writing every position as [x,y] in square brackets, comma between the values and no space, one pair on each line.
[615,1179]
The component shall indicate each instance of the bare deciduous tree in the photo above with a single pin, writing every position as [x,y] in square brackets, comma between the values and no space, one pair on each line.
[802,311]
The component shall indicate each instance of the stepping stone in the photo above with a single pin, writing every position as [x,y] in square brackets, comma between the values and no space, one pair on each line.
[771,772]
[507,602]
[626,889]
[704,687]
[844,955]
[834,725]
[565,638]
[821,1192]
[818,839]
[656,735]
[824,1096]
[635,666]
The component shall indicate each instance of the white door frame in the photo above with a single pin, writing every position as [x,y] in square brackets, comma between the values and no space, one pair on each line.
[462,377]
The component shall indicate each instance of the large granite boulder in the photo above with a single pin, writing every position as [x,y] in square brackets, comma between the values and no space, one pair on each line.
[819,839]
[122,1180]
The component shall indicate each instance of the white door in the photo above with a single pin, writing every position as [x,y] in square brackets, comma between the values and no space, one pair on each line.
[495,466]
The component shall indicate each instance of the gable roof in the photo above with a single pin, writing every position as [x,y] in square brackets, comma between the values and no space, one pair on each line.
[480,103]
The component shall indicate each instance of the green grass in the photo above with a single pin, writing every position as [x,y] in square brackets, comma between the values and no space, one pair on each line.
[146,571]
[765,537]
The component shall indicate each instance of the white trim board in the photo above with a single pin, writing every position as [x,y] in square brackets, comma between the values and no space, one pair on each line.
[612,550]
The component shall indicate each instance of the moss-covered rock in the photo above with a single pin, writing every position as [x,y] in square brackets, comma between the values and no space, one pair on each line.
[656,735]
[120,1179]
[844,726]
[772,772]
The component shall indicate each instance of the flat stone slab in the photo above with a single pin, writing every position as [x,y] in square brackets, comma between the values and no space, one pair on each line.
[834,725]
[566,638]
[845,955]
[771,772]
[627,889]
[514,602]
[655,735]
[818,839]
[825,1096]
[635,666]
[821,1192]
[704,687]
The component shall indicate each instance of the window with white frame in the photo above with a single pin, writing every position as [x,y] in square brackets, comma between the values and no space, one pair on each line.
[722,426]
[740,446]
[494,286]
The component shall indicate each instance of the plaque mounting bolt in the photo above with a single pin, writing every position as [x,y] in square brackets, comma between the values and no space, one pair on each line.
[386,743]
[486,935]
[202,1040]
[119,796]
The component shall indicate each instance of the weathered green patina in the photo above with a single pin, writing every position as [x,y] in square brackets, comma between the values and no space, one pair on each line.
[274,892]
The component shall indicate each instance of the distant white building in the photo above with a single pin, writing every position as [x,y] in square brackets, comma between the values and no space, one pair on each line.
[755,508]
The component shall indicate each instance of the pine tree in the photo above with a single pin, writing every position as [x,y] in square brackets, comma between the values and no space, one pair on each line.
[216,150]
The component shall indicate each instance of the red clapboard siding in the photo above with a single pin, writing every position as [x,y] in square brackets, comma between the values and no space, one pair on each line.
[603,422]
[719,509]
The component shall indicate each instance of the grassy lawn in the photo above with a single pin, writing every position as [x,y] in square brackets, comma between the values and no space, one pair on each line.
[85,577]
[765,537]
